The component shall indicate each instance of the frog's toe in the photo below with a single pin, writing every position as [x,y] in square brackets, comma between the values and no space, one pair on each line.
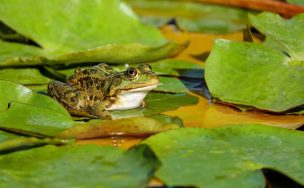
[100,112]
[82,113]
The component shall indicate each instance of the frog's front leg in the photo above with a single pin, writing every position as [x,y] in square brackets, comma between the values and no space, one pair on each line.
[101,111]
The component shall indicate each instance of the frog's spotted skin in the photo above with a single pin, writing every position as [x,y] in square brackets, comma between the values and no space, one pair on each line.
[91,92]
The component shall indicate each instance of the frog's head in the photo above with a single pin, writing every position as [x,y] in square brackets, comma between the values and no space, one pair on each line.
[132,85]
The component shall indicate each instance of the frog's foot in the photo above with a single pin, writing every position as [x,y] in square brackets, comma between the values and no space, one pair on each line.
[100,111]
[82,113]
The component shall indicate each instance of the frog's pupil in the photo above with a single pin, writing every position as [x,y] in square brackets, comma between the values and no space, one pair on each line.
[132,71]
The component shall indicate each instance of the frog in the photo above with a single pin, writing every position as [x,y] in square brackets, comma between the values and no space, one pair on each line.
[95,91]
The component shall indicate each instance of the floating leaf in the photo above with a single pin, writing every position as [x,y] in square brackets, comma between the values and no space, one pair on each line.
[119,53]
[195,17]
[24,76]
[171,67]
[258,75]
[254,75]
[8,34]
[171,85]
[78,166]
[15,54]
[227,157]
[6,136]
[66,36]
[135,127]
[286,34]
[11,143]
[26,110]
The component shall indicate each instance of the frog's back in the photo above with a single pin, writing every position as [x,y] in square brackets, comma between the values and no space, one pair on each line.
[94,80]
[98,72]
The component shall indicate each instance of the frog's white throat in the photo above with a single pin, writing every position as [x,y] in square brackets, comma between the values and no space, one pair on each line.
[131,98]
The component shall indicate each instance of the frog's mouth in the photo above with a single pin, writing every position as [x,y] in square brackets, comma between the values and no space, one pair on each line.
[129,99]
[146,88]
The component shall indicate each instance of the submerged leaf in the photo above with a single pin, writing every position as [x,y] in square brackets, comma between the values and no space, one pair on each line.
[190,16]
[227,157]
[78,166]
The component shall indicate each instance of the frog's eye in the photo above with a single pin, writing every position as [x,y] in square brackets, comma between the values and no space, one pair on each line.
[131,73]
[145,67]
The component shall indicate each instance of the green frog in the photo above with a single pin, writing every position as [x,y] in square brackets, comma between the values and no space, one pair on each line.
[95,91]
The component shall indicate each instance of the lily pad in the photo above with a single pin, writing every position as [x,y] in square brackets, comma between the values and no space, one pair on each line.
[118,54]
[46,117]
[8,34]
[24,109]
[254,75]
[15,54]
[98,166]
[227,157]
[171,85]
[11,142]
[134,127]
[66,36]
[171,67]
[190,16]
[285,34]
[24,76]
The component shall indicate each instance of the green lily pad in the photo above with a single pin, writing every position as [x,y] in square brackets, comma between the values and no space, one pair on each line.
[156,103]
[46,117]
[227,157]
[97,166]
[285,34]
[15,54]
[171,85]
[11,142]
[8,34]
[66,36]
[6,136]
[119,53]
[134,127]
[190,16]
[23,109]
[254,75]
[24,76]
[171,67]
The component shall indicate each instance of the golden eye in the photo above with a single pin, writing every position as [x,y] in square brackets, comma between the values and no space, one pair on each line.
[131,73]
[145,67]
